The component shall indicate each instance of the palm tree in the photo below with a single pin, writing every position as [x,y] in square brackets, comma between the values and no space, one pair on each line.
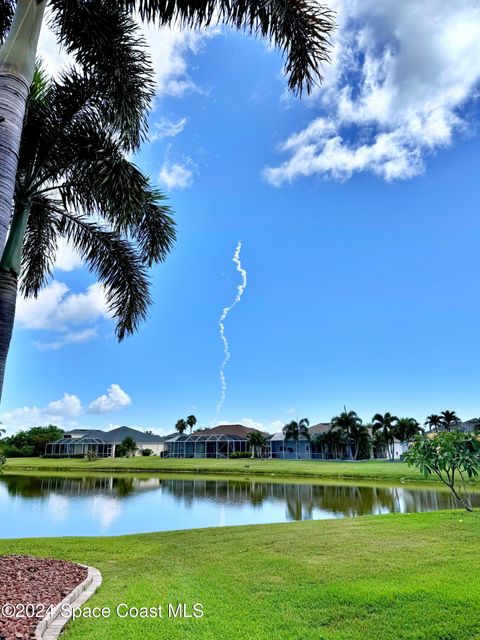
[360,437]
[406,429]
[94,33]
[449,419]
[191,421]
[346,422]
[433,421]
[295,430]
[336,441]
[181,426]
[385,424]
[74,181]
[257,441]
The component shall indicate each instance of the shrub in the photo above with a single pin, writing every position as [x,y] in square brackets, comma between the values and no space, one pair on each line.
[11,451]
[147,452]
[453,457]
[91,455]
[240,454]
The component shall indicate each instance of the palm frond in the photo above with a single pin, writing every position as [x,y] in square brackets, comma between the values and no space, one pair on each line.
[7,8]
[300,29]
[98,177]
[106,41]
[118,267]
[155,232]
[40,246]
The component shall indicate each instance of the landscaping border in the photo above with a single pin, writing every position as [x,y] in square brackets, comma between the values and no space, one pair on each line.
[53,624]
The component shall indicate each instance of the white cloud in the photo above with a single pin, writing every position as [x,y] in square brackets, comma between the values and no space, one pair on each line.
[63,412]
[73,337]
[114,399]
[165,128]
[67,258]
[176,175]
[401,73]
[56,412]
[169,50]
[63,312]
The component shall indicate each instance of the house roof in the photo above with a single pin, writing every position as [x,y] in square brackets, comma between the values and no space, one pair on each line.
[115,436]
[321,427]
[234,431]
[118,435]
[279,437]
[82,433]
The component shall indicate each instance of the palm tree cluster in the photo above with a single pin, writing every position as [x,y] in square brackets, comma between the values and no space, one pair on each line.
[348,437]
[182,425]
[295,430]
[257,442]
[444,421]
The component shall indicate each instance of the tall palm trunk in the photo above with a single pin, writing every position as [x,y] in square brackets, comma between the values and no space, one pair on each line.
[8,302]
[10,267]
[17,64]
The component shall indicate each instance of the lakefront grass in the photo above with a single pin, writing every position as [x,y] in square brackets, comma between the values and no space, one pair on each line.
[398,577]
[371,469]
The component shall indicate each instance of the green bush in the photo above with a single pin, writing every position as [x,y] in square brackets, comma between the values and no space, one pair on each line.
[240,454]
[11,451]
[31,442]
[147,452]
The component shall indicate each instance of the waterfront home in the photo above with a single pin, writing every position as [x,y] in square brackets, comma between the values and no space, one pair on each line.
[103,444]
[218,442]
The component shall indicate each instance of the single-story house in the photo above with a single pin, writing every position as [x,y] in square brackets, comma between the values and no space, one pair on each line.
[79,442]
[289,449]
[218,442]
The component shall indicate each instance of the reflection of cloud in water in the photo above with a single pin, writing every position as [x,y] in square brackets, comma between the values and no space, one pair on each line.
[58,507]
[4,497]
[222,516]
[106,510]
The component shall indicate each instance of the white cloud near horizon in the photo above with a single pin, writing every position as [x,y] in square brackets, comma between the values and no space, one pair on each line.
[400,75]
[65,411]
[55,412]
[115,398]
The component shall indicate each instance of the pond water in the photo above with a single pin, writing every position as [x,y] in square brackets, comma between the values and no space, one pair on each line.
[92,505]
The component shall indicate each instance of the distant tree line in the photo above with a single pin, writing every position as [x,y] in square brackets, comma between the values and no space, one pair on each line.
[29,443]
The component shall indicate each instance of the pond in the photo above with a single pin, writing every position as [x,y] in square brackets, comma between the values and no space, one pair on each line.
[32,506]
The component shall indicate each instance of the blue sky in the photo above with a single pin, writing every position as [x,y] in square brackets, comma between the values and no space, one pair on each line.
[358,215]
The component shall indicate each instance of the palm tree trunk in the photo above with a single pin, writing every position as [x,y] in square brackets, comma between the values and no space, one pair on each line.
[8,302]
[17,64]
[10,266]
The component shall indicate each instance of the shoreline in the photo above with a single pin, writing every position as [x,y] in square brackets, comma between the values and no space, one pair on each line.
[371,470]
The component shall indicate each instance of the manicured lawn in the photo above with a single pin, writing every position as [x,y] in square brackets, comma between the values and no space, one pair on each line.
[374,469]
[414,577]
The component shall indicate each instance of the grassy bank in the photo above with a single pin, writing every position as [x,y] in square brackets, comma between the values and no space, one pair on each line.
[401,577]
[372,469]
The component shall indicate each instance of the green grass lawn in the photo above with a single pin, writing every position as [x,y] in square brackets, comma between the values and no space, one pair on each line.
[372,469]
[401,577]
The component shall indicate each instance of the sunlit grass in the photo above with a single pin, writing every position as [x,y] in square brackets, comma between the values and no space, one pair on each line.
[398,577]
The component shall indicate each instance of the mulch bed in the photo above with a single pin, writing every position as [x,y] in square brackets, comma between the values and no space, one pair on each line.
[35,581]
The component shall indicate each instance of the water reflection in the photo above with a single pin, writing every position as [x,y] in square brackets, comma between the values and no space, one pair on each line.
[91,505]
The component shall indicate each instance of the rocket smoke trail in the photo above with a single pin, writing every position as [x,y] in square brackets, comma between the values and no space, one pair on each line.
[240,289]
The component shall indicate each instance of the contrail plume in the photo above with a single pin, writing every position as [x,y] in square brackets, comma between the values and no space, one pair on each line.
[221,323]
